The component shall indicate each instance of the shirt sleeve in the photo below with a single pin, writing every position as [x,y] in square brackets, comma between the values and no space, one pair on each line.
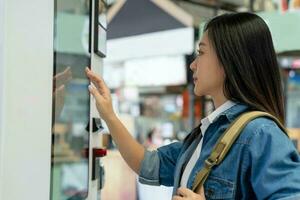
[275,164]
[158,167]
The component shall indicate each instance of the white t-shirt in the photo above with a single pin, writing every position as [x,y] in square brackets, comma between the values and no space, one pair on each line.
[205,122]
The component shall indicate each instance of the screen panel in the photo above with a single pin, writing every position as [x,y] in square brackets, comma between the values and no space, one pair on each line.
[71,107]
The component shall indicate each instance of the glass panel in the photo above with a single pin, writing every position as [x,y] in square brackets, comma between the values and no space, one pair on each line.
[100,28]
[102,7]
[70,137]
[101,41]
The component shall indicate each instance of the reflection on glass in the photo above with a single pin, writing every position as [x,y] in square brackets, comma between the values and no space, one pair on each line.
[70,139]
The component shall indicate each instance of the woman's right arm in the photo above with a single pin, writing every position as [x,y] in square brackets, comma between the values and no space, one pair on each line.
[153,167]
[130,149]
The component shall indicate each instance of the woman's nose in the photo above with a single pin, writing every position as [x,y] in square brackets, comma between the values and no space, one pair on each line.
[193,65]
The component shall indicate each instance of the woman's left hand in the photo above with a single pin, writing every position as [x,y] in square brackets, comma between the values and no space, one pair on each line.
[184,193]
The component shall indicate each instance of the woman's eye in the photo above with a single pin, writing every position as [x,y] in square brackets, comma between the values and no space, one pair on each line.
[200,52]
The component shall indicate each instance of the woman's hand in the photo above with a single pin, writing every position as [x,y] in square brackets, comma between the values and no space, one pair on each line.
[130,149]
[187,194]
[101,94]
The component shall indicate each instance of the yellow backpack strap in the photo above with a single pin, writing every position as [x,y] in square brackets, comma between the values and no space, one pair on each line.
[225,142]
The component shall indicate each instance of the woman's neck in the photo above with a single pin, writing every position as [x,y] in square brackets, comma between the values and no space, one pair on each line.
[219,99]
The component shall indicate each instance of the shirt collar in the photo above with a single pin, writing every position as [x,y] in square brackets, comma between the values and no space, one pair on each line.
[233,112]
[221,109]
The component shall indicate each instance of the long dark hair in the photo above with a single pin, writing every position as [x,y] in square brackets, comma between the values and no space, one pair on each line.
[244,47]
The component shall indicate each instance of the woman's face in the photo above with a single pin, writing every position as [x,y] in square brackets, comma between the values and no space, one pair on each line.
[208,74]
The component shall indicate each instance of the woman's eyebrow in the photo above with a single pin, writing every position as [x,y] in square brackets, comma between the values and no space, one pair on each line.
[202,44]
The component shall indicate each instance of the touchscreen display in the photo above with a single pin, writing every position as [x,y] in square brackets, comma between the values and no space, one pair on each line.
[71,101]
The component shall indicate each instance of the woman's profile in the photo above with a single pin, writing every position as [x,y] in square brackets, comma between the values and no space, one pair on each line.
[236,65]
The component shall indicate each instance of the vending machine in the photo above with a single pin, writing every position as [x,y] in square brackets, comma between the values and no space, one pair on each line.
[50,131]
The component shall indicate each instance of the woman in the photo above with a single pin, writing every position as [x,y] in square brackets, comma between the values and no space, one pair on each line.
[236,65]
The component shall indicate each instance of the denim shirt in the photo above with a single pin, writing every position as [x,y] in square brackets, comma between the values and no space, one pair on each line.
[263,163]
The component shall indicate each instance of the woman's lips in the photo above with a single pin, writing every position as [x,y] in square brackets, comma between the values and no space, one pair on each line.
[195,80]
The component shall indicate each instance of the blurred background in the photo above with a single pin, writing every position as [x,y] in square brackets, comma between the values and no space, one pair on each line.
[150,44]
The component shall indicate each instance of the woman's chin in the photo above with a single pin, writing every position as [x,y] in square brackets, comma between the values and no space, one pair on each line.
[197,93]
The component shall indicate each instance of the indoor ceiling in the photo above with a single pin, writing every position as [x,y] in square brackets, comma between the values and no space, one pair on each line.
[201,10]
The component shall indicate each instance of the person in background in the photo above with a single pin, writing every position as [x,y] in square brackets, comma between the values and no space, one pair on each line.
[154,139]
